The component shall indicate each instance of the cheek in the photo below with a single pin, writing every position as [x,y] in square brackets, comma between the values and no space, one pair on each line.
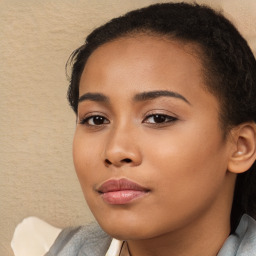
[188,162]
[86,157]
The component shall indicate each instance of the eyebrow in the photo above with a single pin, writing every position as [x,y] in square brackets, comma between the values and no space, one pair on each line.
[144,96]
[99,97]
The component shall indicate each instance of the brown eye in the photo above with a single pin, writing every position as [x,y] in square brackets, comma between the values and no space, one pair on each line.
[95,120]
[159,118]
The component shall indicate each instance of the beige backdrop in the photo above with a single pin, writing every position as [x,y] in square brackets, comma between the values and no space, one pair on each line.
[36,124]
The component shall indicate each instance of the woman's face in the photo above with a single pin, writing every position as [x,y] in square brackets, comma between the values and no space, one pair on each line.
[148,149]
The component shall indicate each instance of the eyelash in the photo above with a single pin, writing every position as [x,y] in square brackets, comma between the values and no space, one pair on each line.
[86,120]
[163,119]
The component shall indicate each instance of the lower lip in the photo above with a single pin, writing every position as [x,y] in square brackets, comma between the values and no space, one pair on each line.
[122,196]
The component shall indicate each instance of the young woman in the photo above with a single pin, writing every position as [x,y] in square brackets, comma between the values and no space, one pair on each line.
[164,147]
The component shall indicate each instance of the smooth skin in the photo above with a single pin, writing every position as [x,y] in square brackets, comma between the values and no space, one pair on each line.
[170,142]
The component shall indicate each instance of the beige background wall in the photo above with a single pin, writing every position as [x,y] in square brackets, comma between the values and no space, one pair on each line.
[36,124]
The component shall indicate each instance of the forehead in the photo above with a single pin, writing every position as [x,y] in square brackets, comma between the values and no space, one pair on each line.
[147,61]
[147,50]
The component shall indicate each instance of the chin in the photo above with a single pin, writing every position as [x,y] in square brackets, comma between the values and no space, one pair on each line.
[124,233]
[127,229]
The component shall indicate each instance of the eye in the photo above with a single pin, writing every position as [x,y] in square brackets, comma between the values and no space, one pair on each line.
[159,119]
[95,120]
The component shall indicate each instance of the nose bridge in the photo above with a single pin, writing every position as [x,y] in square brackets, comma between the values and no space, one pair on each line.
[121,147]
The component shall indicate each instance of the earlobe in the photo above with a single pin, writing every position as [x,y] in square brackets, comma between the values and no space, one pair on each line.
[243,153]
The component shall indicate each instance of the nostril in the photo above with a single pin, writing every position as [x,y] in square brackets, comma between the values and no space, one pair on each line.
[107,162]
[123,161]
[126,160]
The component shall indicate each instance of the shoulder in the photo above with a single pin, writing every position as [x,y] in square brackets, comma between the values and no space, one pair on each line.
[243,241]
[89,240]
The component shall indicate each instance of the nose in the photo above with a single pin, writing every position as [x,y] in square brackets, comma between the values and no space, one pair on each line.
[122,149]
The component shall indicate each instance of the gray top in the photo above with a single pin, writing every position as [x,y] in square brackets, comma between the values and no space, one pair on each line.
[243,241]
[92,241]
[87,240]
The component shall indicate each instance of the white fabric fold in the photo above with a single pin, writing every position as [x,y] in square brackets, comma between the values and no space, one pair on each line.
[33,237]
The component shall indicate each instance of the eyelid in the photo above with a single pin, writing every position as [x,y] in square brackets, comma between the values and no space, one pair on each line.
[88,115]
[159,112]
[169,118]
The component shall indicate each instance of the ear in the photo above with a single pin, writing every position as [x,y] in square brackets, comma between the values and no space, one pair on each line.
[243,149]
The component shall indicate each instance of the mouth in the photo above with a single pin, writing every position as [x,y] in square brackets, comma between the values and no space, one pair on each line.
[121,191]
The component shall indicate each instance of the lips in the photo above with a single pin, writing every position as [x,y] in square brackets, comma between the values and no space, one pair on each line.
[121,191]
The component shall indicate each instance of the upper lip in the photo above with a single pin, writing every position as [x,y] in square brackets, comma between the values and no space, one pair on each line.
[119,185]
